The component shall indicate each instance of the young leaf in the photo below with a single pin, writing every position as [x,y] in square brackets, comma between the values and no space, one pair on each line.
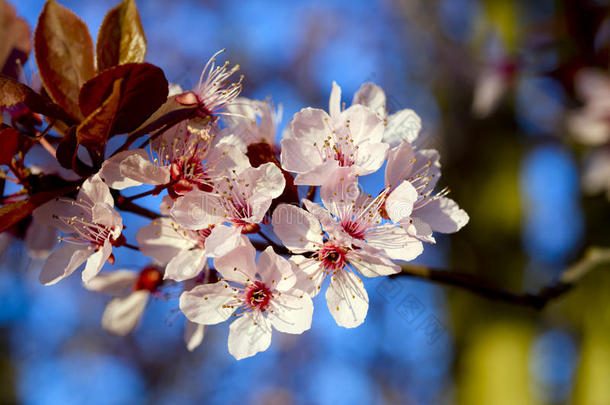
[12,213]
[93,132]
[15,45]
[12,92]
[144,89]
[64,54]
[9,139]
[121,37]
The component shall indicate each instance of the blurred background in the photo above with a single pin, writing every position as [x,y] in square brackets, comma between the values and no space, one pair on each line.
[507,91]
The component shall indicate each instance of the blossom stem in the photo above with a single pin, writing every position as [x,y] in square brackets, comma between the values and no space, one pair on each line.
[130,246]
[153,191]
[481,287]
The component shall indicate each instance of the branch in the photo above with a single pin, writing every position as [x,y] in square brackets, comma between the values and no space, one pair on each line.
[484,289]
[570,277]
[279,249]
[123,204]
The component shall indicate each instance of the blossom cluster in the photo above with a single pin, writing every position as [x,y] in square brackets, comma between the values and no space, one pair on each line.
[226,183]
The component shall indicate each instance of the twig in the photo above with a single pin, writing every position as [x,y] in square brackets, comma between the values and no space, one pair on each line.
[130,206]
[130,246]
[279,249]
[311,193]
[483,288]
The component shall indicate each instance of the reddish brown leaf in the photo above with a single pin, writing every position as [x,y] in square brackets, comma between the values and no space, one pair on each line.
[121,37]
[9,139]
[93,132]
[144,89]
[170,113]
[12,213]
[64,54]
[15,45]
[12,92]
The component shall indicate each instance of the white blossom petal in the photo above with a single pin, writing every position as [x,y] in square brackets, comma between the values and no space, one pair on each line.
[117,283]
[347,299]
[248,335]
[193,335]
[185,265]
[96,261]
[206,303]
[443,215]
[292,313]
[298,230]
[63,262]
[122,314]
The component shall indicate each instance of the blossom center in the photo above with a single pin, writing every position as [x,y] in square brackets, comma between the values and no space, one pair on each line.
[258,296]
[332,257]
[354,229]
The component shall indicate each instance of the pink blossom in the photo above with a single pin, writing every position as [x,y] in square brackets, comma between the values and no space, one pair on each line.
[410,179]
[92,227]
[260,296]
[324,248]
[317,143]
[403,125]
[214,90]
[184,158]
[241,200]
[130,291]
[252,121]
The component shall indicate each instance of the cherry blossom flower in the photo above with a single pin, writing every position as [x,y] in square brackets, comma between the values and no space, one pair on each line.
[252,122]
[130,291]
[184,158]
[356,217]
[214,90]
[324,248]
[242,201]
[590,124]
[403,125]
[182,251]
[410,179]
[260,296]
[318,143]
[92,227]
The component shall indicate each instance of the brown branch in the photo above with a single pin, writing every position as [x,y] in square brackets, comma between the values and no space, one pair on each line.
[481,287]
[125,205]
[279,249]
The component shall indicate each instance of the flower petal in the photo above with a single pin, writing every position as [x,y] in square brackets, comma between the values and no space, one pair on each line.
[292,313]
[248,335]
[443,215]
[96,261]
[347,299]
[117,283]
[162,240]
[123,313]
[113,175]
[206,304]
[399,204]
[95,191]
[334,102]
[193,335]
[238,264]
[185,265]
[372,96]
[275,271]
[298,230]
[198,210]
[299,156]
[372,264]
[63,262]
[403,126]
